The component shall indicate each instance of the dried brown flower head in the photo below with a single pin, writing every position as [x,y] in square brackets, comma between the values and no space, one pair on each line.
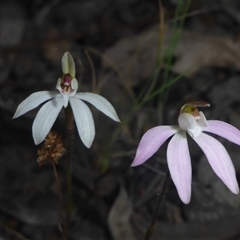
[52,149]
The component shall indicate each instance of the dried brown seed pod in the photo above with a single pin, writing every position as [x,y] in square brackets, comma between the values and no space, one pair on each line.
[52,150]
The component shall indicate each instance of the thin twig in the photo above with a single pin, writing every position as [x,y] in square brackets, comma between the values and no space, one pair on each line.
[62,218]
[15,233]
[94,83]
[161,198]
[58,184]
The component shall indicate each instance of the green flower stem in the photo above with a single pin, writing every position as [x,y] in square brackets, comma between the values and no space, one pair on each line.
[161,198]
[69,147]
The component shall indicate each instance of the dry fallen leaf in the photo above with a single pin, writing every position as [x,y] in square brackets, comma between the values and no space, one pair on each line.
[119,217]
[136,56]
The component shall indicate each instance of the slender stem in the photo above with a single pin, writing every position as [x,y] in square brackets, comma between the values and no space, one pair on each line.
[160,200]
[61,201]
[69,146]
[58,184]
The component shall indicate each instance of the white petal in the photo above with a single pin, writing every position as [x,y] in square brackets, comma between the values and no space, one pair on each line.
[68,65]
[46,118]
[65,99]
[84,121]
[219,160]
[179,164]
[101,103]
[33,101]
[186,121]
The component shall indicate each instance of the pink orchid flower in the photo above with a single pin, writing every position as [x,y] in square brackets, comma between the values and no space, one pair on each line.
[194,123]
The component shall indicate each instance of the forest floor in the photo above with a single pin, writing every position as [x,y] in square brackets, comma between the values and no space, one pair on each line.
[115,45]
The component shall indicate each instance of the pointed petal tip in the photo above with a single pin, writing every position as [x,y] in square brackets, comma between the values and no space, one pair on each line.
[14,116]
[87,145]
[36,140]
[117,119]
[186,201]
[138,160]
[17,114]
[235,191]
[86,142]
[134,164]
[185,198]
[101,103]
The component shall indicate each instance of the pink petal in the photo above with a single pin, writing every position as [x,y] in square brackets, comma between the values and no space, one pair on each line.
[179,164]
[151,141]
[224,130]
[219,160]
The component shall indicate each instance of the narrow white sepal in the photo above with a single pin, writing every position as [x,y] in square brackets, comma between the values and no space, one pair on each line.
[84,121]
[101,103]
[33,101]
[45,119]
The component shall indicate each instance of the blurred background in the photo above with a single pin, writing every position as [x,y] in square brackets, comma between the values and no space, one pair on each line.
[147,58]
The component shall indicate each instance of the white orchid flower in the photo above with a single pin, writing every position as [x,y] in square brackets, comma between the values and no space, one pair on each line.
[67,86]
[194,123]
